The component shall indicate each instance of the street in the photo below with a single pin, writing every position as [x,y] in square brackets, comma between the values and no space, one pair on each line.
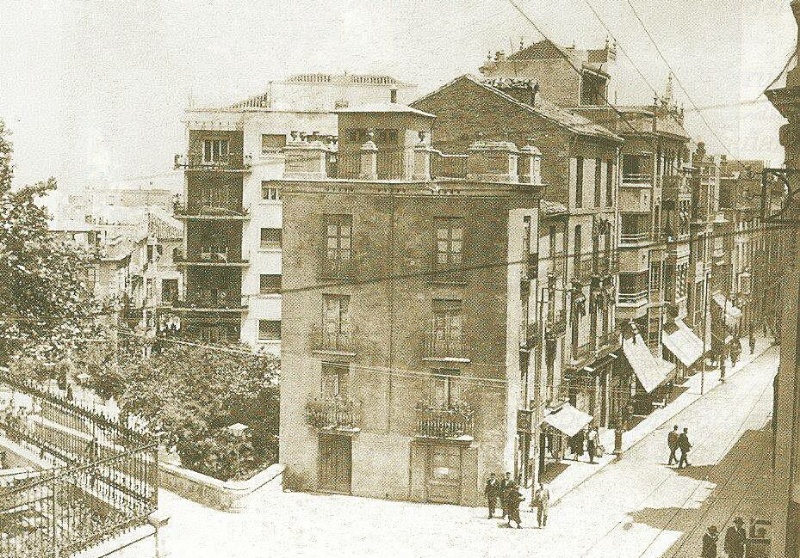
[634,507]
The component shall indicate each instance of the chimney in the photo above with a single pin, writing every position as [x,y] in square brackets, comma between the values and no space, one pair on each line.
[393,95]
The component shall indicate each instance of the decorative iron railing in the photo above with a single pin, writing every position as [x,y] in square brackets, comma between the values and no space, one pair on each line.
[443,345]
[331,413]
[452,422]
[333,339]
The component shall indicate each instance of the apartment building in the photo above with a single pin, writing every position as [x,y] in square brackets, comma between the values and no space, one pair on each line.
[232,249]
[409,308]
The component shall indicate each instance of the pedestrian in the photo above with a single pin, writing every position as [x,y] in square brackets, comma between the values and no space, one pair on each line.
[672,444]
[722,371]
[752,340]
[591,443]
[710,543]
[577,444]
[511,500]
[492,491]
[735,539]
[736,351]
[684,446]
[504,484]
[541,499]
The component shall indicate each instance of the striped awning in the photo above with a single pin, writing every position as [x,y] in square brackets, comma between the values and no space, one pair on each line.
[682,342]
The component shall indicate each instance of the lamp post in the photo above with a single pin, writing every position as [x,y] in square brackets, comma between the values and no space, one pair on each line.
[707,276]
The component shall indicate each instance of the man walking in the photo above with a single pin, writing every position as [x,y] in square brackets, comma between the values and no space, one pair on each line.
[492,492]
[752,338]
[541,499]
[684,446]
[672,444]
[735,539]
[591,443]
[710,543]
[504,484]
[577,444]
[511,500]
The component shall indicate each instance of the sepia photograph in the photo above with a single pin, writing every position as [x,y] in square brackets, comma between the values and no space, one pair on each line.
[402,278]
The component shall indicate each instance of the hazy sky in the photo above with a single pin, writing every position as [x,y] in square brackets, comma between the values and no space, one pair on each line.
[94,90]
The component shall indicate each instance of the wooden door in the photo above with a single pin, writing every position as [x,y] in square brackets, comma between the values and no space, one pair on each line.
[335,463]
[444,474]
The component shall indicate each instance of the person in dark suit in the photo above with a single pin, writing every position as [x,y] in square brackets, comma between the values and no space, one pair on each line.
[672,444]
[504,484]
[511,500]
[710,543]
[735,539]
[684,446]
[576,444]
[492,492]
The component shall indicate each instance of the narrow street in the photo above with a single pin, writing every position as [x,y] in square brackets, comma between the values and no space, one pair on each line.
[635,507]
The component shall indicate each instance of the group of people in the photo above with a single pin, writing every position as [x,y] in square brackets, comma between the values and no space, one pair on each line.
[507,492]
[734,543]
[679,441]
[586,440]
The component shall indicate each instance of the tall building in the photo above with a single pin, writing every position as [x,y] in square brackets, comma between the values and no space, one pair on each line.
[410,298]
[232,248]
[786,416]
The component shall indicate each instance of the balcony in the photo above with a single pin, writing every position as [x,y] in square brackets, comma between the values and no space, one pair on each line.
[210,211]
[606,343]
[208,302]
[632,299]
[332,340]
[441,346]
[211,257]
[529,335]
[637,179]
[556,266]
[606,266]
[233,162]
[557,326]
[633,238]
[581,352]
[339,413]
[454,422]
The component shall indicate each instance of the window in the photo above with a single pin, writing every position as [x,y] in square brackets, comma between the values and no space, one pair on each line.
[215,151]
[338,244]
[386,136]
[217,196]
[335,321]
[271,238]
[609,183]
[445,388]
[169,290]
[272,143]
[270,284]
[356,135]
[449,242]
[154,251]
[579,182]
[598,179]
[269,192]
[269,330]
[335,380]
[447,330]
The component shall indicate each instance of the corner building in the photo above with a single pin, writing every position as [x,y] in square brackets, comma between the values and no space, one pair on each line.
[409,284]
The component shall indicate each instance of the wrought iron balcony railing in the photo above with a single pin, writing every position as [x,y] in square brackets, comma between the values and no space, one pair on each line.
[582,269]
[230,162]
[205,301]
[635,237]
[632,298]
[557,326]
[637,179]
[454,421]
[442,345]
[608,340]
[334,413]
[211,257]
[581,352]
[333,339]
[211,210]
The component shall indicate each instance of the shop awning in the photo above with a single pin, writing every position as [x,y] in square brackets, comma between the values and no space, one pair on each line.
[682,342]
[731,313]
[567,420]
[650,370]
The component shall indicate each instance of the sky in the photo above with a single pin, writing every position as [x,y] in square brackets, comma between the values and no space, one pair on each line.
[94,90]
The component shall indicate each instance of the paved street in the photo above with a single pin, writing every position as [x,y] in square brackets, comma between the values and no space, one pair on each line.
[635,507]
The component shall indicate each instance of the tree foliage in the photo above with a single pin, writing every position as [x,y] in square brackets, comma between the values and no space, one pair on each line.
[45,307]
[191,394]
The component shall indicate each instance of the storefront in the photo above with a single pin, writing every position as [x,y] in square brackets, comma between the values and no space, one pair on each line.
[559,424]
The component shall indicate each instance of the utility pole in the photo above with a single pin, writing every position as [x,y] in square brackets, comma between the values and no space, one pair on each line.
[705,333]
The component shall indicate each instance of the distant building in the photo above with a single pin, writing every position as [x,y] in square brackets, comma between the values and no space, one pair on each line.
[232,248]
[410,298]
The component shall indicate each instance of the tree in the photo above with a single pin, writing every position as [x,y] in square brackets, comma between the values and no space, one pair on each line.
[191,394]
[45,306]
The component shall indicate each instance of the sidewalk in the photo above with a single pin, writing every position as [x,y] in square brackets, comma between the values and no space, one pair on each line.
[577,472]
